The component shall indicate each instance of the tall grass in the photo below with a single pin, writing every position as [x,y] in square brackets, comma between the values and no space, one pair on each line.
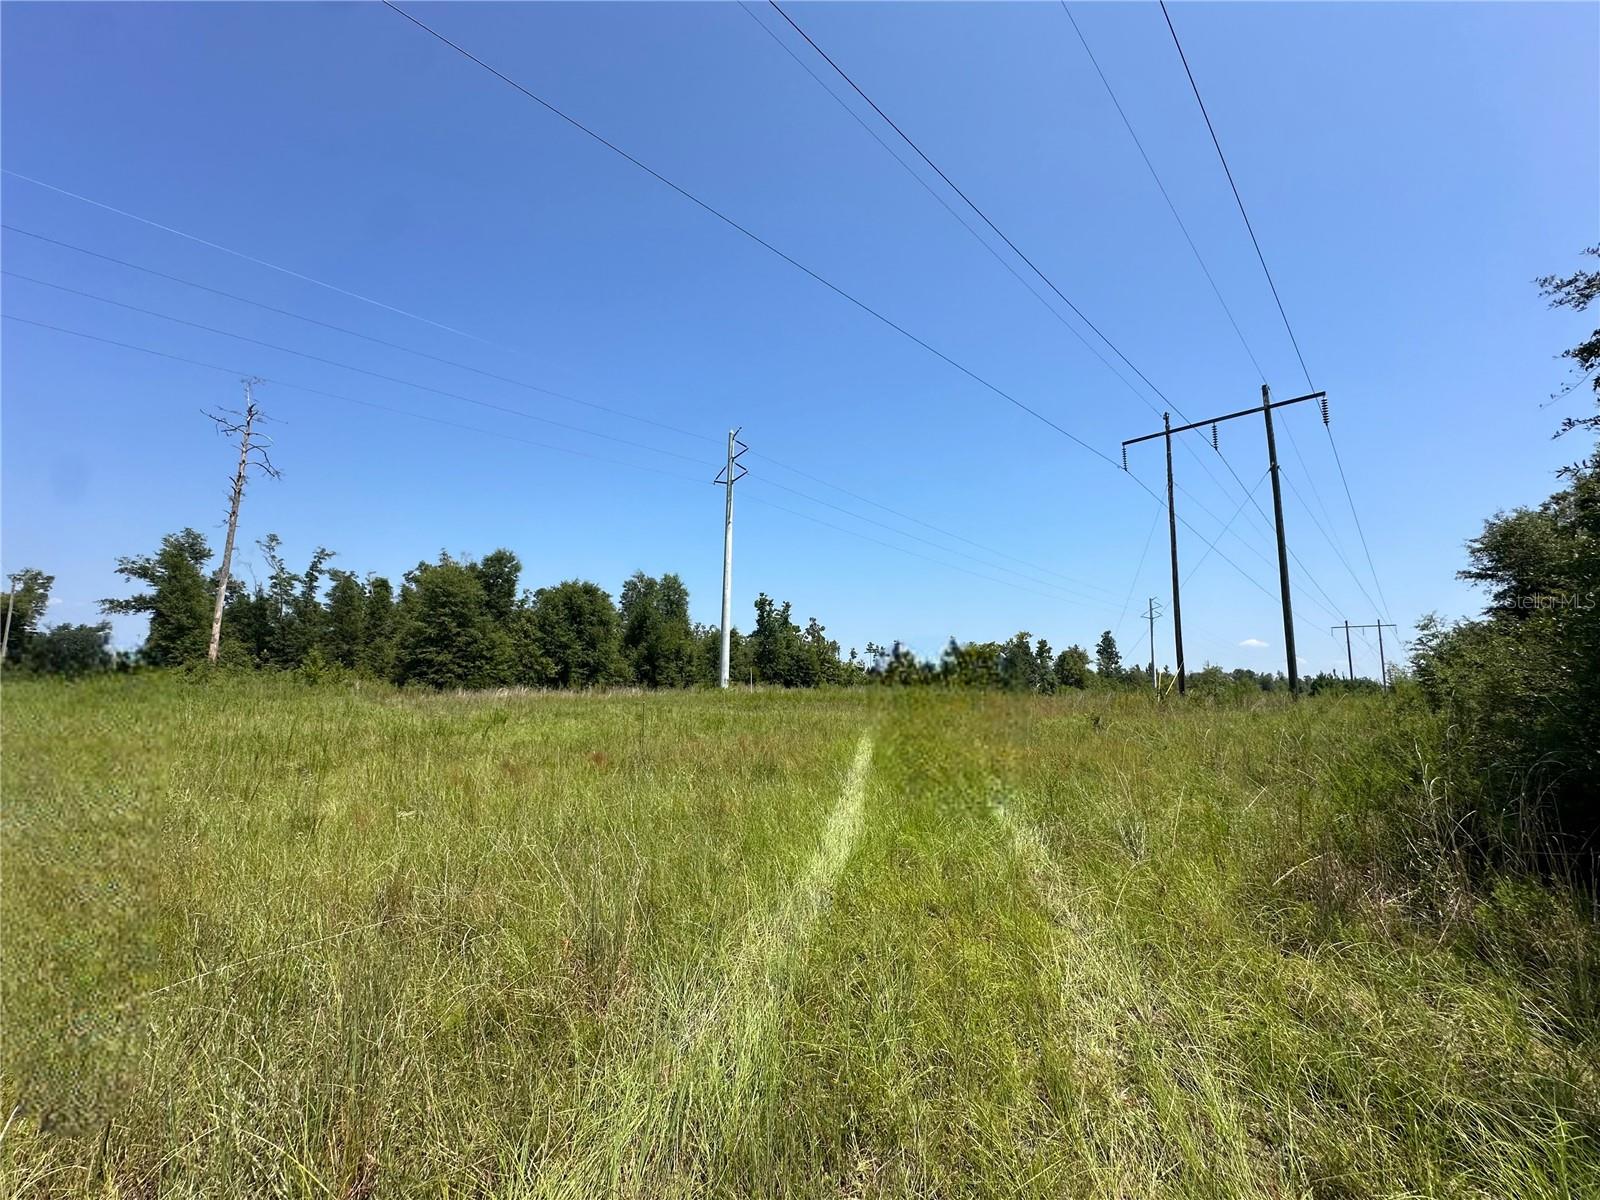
[268,940]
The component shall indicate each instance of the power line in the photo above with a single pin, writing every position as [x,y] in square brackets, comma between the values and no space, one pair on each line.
[751,234]
[315,391]
[1165,195]
[1238,199]
[508,380]
[925,541]
[260,262]
[1361,532]
[760,241]
[1261,258]
[794,512]
[331,362]
[1138,570]
[1036,270]
[1050,283]
[943,203]
[497,378]
[366,337]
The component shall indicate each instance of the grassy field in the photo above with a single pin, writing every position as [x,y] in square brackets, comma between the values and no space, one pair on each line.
[262,939]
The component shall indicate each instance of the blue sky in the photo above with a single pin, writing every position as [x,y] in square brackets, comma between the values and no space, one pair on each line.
[1409,170]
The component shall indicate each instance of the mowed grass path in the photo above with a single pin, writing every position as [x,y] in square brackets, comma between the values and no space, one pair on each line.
[265,940]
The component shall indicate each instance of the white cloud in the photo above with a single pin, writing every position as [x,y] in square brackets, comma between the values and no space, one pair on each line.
[1254,643]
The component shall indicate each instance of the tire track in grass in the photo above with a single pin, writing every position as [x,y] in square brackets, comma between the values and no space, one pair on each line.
[664,1117]
[1151,1103]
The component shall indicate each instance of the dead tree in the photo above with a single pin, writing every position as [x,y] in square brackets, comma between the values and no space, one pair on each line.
[243,426]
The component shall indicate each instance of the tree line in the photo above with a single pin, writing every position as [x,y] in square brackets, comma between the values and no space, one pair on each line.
[468,623]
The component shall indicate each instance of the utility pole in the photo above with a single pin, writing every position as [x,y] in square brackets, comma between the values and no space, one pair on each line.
[1283,547]
[1383,660]
[1172,537]
[1267,405]
[1150,614]
[1349,656]
[231,424]
[730,474]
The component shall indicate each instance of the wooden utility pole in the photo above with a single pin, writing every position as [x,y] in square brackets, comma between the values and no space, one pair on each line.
[1383,661]
[1166,432]
[1172,536]
[1283,548]
[1349,655]
[232,424]
[730,474]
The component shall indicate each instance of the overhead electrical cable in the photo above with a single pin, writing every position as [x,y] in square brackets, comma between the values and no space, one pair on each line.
[331,362]
[1262,259]
[753,236]
[694,482]
[260,262]
[760,241]
[1050,283]
[366,337]
[523,384]
[316,391]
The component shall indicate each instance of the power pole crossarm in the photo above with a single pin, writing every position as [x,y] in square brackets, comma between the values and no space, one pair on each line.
[1166,431]
[1383,660]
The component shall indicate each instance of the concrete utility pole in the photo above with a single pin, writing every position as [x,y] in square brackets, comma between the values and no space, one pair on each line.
[730,474]
[1267,405]
[1383,660]
[1150,614]
[232,424]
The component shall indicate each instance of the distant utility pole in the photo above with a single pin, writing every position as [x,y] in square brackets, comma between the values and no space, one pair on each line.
[1383,660]
[730,474]
[243,426]
[1267,405]
[1150,614]
[1349,655]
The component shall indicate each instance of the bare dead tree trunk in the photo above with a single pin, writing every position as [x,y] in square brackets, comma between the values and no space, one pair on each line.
[245,429]
[11,604]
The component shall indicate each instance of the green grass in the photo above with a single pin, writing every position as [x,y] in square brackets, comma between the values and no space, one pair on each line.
[269,940]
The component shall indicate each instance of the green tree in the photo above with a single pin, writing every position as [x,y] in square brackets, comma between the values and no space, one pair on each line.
[345,628]
[1018,667]
[963,664]
[575,626]
[1107,659]
[657,639]
[26,601]
[498,572]
[71,650]
[819,656]
[446,638]
[1072,668]
[179,600]
[776,648]
[378,649]
[1576,292]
